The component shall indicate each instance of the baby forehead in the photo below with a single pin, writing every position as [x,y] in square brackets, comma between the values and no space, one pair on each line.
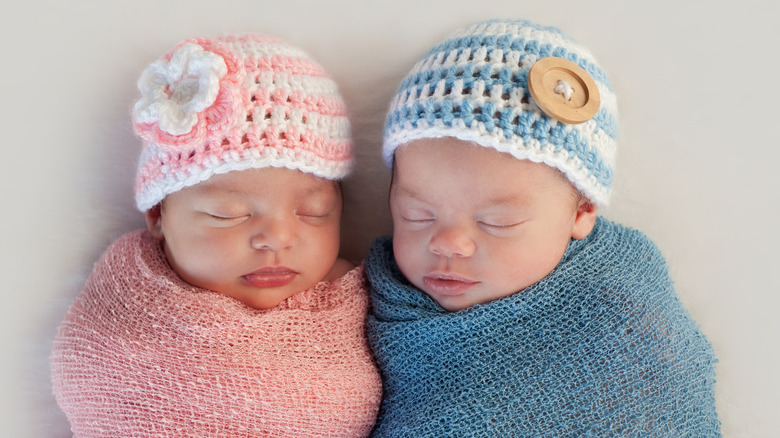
[456,151]
[462,159]
[265,181]
[428,168]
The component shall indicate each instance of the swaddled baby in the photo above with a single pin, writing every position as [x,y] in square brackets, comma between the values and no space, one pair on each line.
[232,314]
[503,305]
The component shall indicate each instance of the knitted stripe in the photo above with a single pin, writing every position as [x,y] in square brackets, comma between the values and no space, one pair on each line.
[509,73]
[295,107]
[501,128]
[263,46]
[156,181]
[500,48]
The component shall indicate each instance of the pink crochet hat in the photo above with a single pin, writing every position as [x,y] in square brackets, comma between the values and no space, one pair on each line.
[212,106]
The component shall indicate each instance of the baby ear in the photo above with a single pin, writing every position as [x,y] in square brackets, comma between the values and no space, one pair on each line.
[585,219]
[153,218]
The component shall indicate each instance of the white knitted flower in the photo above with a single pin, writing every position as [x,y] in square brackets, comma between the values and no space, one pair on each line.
[174,92]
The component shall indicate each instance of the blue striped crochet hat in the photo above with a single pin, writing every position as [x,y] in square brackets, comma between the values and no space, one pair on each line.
[474,87]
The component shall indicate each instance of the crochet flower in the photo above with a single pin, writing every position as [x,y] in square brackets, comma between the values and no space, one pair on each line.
[188,97]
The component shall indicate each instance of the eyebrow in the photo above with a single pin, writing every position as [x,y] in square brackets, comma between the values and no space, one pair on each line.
[513,200]
[238,189]
[497,201]
[405,191]
[209,189]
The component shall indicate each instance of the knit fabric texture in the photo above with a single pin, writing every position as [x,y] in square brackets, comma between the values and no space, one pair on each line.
[212,106]
[601,347]
[143,354]
[474,86]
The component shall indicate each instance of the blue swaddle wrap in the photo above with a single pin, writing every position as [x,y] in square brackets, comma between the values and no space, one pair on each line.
[600,347]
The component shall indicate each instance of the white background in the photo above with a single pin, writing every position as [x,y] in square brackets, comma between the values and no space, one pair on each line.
[697,84]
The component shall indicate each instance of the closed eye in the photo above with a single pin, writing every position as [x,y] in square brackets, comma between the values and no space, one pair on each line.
[226,217]
[318,207]
[417,219]
[313,214]
[499,226]
[223,220]
[314,217]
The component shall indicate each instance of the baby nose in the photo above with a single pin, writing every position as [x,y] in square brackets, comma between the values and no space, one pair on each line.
[452,241]
[272,234]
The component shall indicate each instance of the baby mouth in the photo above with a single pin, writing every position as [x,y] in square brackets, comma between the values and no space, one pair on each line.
[270,277]
[446,284]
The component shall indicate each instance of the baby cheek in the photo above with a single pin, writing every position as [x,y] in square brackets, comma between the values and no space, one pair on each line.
[409,253]
[212,253]
[540,261]
[329,242]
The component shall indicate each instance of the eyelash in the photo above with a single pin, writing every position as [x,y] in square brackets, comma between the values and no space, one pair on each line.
[418,220]
[485,224]
[313,213]
[499,227]
[225,219]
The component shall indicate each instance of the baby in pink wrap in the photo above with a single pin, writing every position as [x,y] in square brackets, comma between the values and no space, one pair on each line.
[232,314]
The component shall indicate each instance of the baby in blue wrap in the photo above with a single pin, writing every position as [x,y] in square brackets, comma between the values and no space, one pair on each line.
[504,305]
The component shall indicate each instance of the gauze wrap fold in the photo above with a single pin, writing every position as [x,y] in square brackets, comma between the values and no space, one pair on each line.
[142,353]
[600,347]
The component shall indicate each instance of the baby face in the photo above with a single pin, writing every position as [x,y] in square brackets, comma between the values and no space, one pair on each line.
[257,235]
[472,225]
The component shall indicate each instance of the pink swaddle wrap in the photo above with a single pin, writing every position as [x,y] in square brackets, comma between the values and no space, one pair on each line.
[142,353]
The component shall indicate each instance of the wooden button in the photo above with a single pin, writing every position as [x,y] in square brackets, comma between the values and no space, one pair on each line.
[563,90]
